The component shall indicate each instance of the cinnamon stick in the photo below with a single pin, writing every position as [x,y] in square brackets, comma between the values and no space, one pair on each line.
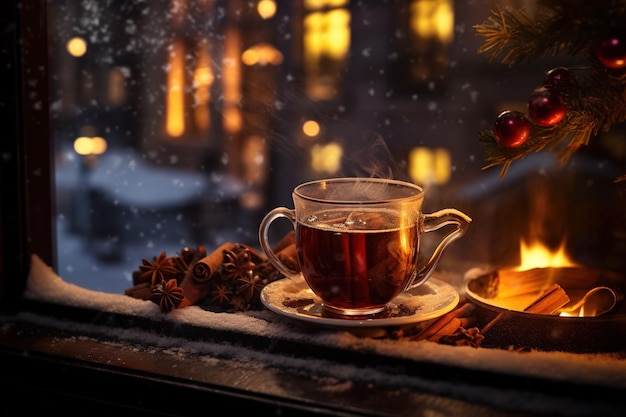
[449,328]
[196,285]
[444,320]
[288,251]
[142,291]
[514,283]
[549,302]
[287,240]
[285,250]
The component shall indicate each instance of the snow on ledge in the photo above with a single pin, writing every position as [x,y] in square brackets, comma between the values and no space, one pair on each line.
[596,369]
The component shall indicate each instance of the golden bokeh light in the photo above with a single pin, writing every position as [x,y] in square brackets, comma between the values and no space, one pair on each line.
[76,47]
[326,158]
[86,145]
[433,19]
[266,8]
[311,128]
[262,54]
[429,166]
[175,101]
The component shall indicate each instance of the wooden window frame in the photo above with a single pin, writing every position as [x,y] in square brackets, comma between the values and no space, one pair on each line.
[59,368]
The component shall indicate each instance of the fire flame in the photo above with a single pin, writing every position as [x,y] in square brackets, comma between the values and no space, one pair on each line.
[537,255]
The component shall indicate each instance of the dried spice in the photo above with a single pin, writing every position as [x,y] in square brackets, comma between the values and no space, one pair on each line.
[238,303]
[463,337]
[221,294]
[237,263]
[297,302]
[229,278]
[167,295]
[158,269]
[249,285]
[232,277]
[185,261]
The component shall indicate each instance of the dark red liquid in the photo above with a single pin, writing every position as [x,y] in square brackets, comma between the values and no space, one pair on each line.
[356,268]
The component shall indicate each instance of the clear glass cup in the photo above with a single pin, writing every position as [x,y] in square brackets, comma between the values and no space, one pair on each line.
[357,240]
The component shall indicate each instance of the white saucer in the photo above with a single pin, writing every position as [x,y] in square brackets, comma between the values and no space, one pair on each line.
[293,298]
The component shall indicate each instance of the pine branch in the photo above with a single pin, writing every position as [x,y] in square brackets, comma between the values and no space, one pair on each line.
[578,127]
[560,29]
[557,29]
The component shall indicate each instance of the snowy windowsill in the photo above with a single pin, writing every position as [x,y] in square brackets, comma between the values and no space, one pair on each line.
[598,370]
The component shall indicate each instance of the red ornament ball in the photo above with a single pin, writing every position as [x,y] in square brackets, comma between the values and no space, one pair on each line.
[611,52]
[560,79]
[511,128]
[545,107]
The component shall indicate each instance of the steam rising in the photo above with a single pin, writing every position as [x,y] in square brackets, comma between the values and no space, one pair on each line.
[371,158]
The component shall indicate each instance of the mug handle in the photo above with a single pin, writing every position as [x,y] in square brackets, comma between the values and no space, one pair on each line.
[264,228]
[435,221]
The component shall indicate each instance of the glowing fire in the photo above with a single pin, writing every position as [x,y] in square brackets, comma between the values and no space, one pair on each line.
[537,255]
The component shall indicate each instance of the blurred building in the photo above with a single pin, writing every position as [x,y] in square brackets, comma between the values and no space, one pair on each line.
[236,102]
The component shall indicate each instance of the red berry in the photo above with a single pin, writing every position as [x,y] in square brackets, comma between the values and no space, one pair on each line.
[560,79]
[611,52]
[546,107]
[511,128]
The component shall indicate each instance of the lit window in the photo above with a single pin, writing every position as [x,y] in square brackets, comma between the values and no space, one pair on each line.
[424,32]
[431,26]
[175,110]
[326,44]
[429,166]
[326,158]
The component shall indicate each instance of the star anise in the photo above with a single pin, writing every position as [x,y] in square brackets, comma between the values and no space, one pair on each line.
[168,295]
[158,269]
[237,263]
[249,286]
[239,303]
[268,271]
[190,256]
[221,294]
[464,337]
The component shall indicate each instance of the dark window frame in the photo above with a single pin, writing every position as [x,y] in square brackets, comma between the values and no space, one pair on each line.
[26,192]
[67,370]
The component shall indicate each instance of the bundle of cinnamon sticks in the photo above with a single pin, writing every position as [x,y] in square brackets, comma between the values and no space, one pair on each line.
[453,327]
[231,276]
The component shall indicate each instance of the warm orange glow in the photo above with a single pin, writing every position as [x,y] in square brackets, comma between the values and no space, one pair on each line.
[82,145]
[328,33]
[266,8]
[318,4]
[98,145]
[175,104]
[433,19]
[232,118]
[262,54]
[254,160]
[117,86]
[202,80]
[311,128]
[326,158]
[85,145]
[429,166]
[231,80]
[326,42]
[76,47]
[537,255]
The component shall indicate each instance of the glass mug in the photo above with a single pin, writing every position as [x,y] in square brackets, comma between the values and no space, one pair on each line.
[357,240]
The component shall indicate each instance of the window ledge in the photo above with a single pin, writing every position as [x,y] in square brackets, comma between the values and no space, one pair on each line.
[179,362]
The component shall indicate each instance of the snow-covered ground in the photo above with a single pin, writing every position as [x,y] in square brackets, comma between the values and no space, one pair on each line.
[121,210]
